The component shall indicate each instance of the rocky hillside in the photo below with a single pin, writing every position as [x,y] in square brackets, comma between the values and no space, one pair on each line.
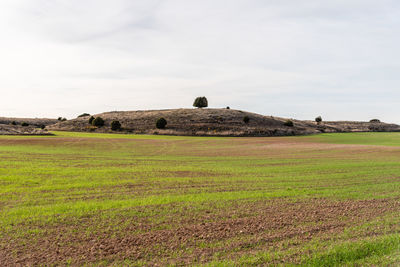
[38,122]
[214,122]
[7,129]
[32,126]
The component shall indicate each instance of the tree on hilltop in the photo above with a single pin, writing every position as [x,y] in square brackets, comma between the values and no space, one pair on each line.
[200,102]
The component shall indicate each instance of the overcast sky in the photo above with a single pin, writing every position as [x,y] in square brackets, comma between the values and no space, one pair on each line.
[293,58]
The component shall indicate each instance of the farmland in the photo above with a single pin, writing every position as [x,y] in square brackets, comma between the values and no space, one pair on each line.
[113,199]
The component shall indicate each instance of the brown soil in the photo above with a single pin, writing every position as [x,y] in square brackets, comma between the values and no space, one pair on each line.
[238,227]
[214,122]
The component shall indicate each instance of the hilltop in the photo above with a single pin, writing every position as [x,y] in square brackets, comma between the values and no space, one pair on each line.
[214,122]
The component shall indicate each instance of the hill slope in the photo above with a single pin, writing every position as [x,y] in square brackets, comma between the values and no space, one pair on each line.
[12,126]
[31,121]
[214,122]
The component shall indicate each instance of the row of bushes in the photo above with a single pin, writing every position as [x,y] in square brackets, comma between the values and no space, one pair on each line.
[99,122]
[161,123]
[116,125]
[25,124]
[319,120]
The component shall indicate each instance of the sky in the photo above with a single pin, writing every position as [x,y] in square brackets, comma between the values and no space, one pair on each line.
[290,58]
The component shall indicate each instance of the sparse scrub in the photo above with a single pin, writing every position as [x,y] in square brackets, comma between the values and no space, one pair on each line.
[91,119]
[115,125]
[289,123]
[161,123]
[200,102]
[98,122]
[84,115]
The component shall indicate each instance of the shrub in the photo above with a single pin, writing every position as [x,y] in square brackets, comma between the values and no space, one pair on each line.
[289,123]
[64,119]
[375,120]
[84,115]
[246,119]
[318,119]
[91,119]
[115,125]
[98,122]
[161,123]
[59,118]
[200,102]
[13,123]
[42,126]
[24,124]
[228,107]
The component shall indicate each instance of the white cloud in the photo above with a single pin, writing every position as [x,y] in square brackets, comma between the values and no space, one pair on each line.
[288,58]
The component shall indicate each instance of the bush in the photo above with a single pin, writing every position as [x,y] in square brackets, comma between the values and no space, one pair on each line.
[375,121]
[64,119]
[42,126]
[246,119]
[13,123]
[161,123]
[59,118]
[84,115]
[98,122]
[91,119]
[200,102]
[318,119]
[228,107]
[115,125]
[289,123]
[24,124]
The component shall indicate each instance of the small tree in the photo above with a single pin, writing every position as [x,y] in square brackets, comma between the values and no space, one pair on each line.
[161,123]
[91,119]
[289,123]
[115,125]
[246,119]
[98,122]
[84,115]
[318,119]
[200,102]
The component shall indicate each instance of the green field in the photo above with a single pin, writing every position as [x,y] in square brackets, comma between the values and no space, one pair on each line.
[109,199]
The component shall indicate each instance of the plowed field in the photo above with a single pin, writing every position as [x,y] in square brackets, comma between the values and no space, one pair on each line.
[107,199]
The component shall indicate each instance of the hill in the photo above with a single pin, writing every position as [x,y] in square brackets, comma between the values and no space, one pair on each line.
[13,126]
[214,122]
[6,129]
[38,122]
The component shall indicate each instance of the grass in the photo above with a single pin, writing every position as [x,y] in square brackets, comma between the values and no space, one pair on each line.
[381,139]
[111,186]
